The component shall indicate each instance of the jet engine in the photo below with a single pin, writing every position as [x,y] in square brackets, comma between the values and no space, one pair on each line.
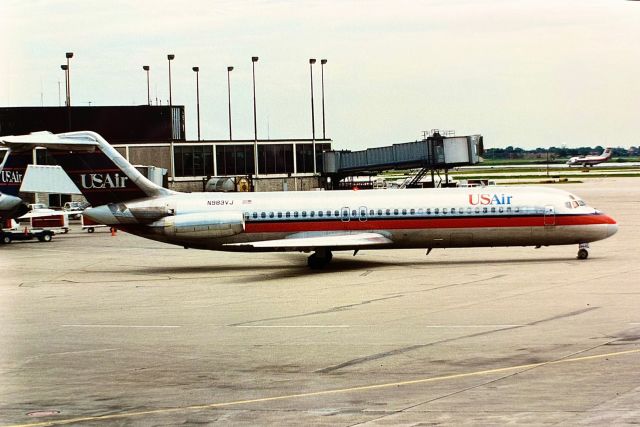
[201,225]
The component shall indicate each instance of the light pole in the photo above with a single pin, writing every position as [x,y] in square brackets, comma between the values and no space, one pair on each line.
[229,70]
[197,70]
[65,68]
[146,68]
[69,55]
[322,62]
[313,120]
[170,57]
[254,59]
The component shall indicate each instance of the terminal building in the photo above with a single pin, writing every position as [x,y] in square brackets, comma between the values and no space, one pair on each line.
[154,136]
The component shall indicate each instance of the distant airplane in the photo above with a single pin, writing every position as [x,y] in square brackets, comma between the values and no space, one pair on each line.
[317,221]
[12,171]
[590,160]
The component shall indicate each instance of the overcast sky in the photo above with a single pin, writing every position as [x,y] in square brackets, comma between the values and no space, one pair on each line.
[528,73]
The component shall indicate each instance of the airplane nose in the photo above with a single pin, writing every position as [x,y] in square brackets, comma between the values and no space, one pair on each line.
[612,229]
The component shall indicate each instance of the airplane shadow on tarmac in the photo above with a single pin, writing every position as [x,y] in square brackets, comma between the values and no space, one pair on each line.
[287,268]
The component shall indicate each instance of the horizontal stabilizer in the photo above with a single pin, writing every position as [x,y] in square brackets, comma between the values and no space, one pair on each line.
[48,140]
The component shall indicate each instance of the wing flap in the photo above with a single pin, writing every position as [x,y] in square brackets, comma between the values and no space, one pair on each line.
[341,241]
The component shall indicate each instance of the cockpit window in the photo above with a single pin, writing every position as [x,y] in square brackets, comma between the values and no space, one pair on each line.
[582,203]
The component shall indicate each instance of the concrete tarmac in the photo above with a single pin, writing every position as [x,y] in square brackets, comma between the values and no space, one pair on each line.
[102,330]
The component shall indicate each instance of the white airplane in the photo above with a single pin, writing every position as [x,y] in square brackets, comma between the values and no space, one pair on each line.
[590,160]
[317,221]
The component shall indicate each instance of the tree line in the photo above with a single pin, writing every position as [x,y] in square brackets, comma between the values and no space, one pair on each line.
[511,152]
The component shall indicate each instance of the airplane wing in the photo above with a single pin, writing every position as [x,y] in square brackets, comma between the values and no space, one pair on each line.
[334,241]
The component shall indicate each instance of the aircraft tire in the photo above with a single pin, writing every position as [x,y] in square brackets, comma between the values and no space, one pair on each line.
[583,254]
[316,262]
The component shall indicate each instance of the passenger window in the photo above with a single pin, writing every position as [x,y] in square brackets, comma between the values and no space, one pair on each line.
[379,212]
[469,210]
[500,209]
[255,215]
[279,214]
[312,214]
[428,211]
[304,214]
[412,211]
[420,211]
[320,213]
[329,213]
[485,210]
[354,213]
[476,209]
[444,211]
[371,212]
[263,215]
[336,213]
[388,212]
[453,210]
[516,209]
[493,210]
[508,209]
[270,214]
[404,211]
[436,211]
[288,214]
[395,211]
[295,214]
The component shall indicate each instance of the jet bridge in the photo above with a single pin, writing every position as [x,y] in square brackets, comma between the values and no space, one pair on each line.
[433,154]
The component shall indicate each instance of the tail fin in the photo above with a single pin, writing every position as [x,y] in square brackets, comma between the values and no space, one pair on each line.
[101,173]
[12,171]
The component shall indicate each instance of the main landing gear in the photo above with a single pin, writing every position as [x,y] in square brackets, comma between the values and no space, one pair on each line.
[319,259]
[583,251]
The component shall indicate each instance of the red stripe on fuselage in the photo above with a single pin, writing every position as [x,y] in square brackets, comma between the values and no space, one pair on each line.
[337,224]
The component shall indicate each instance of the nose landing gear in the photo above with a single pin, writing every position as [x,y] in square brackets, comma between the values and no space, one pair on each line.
[583,251]
[319,259]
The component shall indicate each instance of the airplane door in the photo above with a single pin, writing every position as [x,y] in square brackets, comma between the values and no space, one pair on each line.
[362,210]
[345,214]
[549,215]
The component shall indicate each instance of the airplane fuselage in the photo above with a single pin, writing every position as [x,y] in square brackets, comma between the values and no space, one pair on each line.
[416,218]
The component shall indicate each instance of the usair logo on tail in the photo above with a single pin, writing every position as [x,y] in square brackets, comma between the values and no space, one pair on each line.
[10,177]
[103,180]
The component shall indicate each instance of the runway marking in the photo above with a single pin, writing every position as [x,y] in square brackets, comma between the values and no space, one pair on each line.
[66,353]
[323,392]
[121,326]
[292,326]
[473,326]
